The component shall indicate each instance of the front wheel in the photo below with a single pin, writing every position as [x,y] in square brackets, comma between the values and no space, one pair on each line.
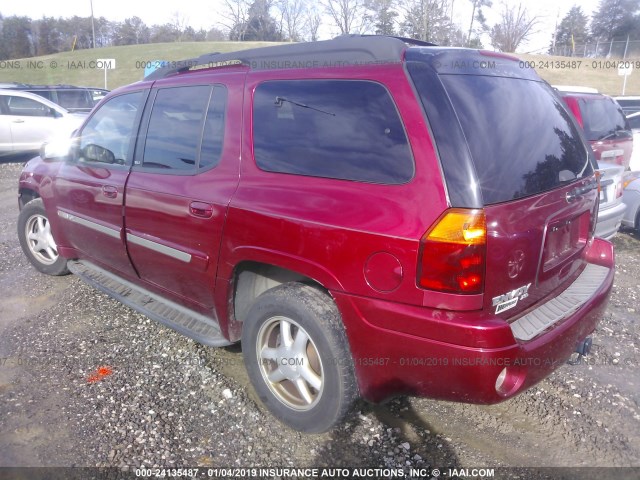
[34,233]
[297,357]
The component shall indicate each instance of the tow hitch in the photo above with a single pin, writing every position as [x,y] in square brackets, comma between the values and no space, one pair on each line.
[582,349]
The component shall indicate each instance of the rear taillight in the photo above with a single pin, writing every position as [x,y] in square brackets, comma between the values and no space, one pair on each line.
[453,253]
[628,178]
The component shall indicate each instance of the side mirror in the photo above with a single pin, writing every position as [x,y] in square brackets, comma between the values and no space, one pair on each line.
[96,153]
[56,150]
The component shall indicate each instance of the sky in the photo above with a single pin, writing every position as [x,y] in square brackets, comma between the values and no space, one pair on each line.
[205,14]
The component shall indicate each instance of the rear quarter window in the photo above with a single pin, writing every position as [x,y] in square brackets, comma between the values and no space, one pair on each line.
[341,129]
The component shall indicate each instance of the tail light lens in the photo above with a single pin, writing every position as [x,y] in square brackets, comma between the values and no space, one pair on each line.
[628,178]
[453,253]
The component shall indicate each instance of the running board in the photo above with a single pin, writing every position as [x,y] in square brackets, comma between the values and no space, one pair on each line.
[194,325]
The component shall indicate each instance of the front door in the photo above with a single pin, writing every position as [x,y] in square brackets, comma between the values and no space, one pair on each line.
[89,187]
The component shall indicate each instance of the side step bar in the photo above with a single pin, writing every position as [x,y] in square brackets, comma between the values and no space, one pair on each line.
[201,328]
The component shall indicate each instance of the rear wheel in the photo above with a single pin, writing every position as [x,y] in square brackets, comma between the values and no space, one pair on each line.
[34,233]
[298,359]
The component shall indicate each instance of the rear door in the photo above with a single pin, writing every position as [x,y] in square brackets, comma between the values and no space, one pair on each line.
[185,172]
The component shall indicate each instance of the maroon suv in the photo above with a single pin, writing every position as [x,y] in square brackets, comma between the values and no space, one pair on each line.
[368,216]
[603,121]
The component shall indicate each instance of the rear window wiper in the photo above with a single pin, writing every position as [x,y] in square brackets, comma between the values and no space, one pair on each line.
[281,100]
[613,133]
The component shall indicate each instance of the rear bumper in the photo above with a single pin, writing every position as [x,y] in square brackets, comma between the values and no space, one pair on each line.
[609,221]
[450,356]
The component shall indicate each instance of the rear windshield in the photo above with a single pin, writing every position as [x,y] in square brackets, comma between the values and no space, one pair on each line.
[602,118]
[521,138]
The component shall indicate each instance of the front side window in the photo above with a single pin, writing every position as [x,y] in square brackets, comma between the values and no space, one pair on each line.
[106,138]
[342,129]
[26,107]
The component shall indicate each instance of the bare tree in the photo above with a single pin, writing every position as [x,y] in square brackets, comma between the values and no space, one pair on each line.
[179,23]
[350,16]
[293,13]
[236,18]
[312,23]
[514,28]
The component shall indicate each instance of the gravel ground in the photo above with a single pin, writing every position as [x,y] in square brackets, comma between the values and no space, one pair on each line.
[85,381]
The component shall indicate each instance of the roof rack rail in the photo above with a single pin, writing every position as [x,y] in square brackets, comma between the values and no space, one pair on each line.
[344,50]
[407,40]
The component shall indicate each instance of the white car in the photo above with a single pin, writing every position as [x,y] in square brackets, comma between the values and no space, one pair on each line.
[28,120]
[634,123]
[612,209]
[631,198]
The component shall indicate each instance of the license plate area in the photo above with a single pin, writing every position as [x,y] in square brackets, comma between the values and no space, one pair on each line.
[564,239]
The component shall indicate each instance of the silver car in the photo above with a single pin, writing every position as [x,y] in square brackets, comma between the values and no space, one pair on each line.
[611,206]
[631,198]
[634,123]
[28,120]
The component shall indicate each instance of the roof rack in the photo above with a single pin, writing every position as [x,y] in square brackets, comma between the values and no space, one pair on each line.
[341,51]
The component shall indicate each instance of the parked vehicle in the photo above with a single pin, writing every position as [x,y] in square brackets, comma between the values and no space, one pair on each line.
[71,98]
[603,122]
[630,104]
[369,216]
[611,208]
[634,123]
[27,120]
[631,198]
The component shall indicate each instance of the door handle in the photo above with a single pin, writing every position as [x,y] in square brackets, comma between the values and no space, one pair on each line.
[109,191]
[201,209]
[19,120]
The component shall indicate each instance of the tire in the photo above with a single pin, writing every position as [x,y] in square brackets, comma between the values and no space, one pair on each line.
[310,384]
[36,240]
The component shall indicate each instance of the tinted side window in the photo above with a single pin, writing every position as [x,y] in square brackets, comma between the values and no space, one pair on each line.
[107,135]
[213,133]
[339,129]
[175,128]
[74,99]
[28,108]
[43,93]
